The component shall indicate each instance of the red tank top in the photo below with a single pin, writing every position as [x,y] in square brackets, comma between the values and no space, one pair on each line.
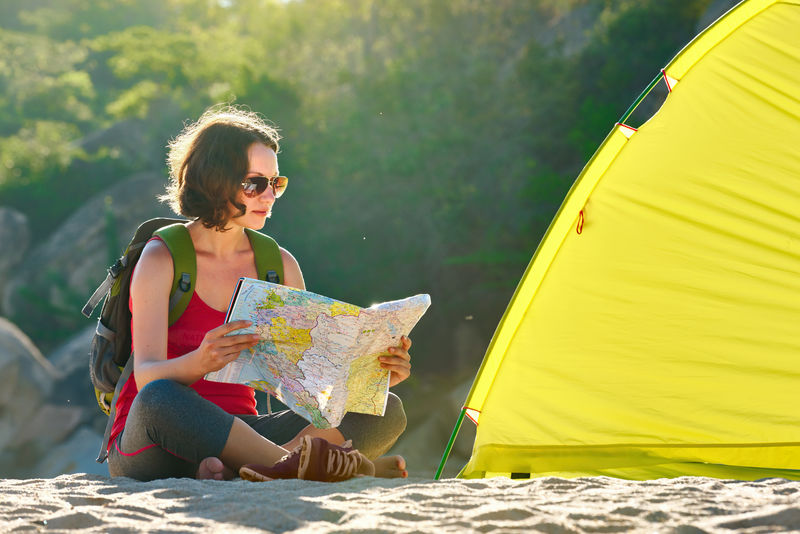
[185,335]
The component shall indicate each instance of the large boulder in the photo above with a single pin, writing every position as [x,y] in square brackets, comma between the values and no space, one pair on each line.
[71,358]
[47,291]
[74,387]
[54,426]
[15,237]
[132,139]
[26,380]
[74,455]
[715,10]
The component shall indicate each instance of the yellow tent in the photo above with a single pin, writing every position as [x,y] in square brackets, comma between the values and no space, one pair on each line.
[656,332]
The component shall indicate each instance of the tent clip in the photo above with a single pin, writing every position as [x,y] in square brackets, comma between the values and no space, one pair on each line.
[579,228]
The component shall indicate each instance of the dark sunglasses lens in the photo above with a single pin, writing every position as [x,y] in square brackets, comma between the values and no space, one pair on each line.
[254,186]
[279,185]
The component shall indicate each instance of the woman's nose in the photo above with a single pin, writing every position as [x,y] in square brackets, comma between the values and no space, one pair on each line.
[270,192]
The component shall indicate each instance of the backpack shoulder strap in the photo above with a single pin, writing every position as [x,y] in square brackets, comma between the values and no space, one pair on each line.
[184,261]
[111,285]
[269,263]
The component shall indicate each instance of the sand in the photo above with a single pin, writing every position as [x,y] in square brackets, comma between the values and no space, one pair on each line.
[95,503]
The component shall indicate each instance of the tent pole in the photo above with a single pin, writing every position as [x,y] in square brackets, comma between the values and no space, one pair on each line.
[639,100]
[450,444]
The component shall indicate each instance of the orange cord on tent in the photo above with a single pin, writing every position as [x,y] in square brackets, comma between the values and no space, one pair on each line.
[631,128]
[579,229]
[666,80]
[467,411]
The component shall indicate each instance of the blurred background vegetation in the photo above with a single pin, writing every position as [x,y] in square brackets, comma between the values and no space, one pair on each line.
[429,142]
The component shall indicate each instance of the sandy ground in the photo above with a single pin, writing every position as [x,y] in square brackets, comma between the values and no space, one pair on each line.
[95,503]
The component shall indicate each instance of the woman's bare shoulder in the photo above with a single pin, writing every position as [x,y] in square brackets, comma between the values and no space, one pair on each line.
[154,267]
[292,275]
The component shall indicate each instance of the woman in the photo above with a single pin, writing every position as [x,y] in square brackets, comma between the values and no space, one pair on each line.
[170,421]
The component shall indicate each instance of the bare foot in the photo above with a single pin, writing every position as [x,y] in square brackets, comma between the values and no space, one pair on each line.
[212,468]
[390,467]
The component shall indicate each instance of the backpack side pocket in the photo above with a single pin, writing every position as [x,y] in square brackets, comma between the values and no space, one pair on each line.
[102,369]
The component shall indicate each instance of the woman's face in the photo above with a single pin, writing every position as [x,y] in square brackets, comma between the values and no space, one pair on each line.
[263,162]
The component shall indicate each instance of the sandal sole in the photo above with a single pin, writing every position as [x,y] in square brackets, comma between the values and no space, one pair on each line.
[253,476]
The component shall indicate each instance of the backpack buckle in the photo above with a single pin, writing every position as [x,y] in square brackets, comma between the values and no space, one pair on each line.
[115,269]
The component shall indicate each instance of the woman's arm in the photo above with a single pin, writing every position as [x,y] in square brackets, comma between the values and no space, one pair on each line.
[150,289]
[292,276]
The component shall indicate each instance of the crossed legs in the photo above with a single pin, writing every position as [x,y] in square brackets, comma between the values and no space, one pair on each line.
[171,431]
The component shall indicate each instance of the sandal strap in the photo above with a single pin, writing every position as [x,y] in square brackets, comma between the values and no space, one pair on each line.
[314,459]
[343,464]
[325,462]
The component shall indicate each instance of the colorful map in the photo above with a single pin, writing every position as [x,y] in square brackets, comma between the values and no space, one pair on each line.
[317,355]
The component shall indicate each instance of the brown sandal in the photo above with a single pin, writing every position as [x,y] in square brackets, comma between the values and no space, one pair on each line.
[315,459]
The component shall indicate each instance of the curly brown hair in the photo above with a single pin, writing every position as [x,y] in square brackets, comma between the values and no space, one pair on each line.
[208,161]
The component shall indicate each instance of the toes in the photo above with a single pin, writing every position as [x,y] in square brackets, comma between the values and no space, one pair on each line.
[391,467]
[211,468]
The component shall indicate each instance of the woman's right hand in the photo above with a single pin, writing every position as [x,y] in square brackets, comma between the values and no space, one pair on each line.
[218,349]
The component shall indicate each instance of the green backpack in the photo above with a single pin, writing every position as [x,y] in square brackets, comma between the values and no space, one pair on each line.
[110,362]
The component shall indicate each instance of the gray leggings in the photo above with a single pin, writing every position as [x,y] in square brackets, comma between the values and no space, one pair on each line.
[170,429]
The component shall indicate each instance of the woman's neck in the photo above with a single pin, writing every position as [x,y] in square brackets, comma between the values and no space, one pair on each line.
[215,243]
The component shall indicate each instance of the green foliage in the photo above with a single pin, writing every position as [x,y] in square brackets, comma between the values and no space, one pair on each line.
[37,149]
[656,30]
[71,20]
[42,79]
[429,143]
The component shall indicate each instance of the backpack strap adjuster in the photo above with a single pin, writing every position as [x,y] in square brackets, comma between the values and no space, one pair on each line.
[115,269]
[185,283]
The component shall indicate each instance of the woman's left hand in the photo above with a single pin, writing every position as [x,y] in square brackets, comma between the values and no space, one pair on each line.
[398,362]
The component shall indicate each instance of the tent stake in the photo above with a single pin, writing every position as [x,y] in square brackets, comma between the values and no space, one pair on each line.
[450,444]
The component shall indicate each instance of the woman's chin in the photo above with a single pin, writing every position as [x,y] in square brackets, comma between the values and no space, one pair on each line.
[253,219]
[258,220]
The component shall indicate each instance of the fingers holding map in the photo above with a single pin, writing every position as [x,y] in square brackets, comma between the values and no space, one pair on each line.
[398,361]
[317,355]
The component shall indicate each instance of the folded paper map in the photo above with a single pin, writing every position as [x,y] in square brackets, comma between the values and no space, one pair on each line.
[317,355]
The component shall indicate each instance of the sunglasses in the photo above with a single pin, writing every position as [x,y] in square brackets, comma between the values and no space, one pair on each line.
[255,185]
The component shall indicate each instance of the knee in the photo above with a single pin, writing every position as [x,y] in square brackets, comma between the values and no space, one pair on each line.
[374,435]
[154,396]
[395,416]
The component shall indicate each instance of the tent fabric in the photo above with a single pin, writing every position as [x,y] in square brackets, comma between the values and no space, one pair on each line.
[664,338]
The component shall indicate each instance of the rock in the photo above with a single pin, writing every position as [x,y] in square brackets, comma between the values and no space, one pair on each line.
[76,455]
[26,379]
[48,426]
[133,141]
[715,10]
[74,353]
[49,288]
[14,240]
[74,389]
